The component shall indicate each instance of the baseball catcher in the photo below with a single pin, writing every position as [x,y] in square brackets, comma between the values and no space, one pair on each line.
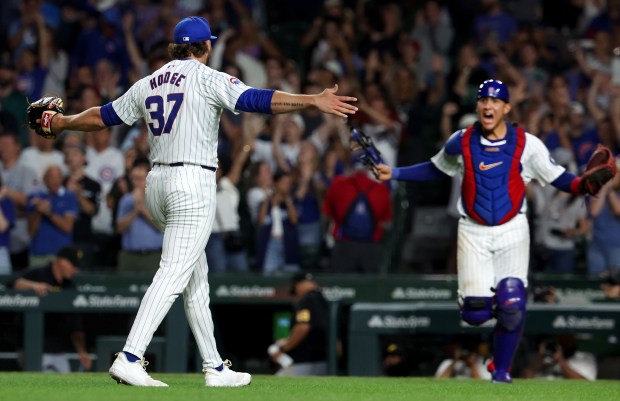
[370,156]
[41,114]
[600,169]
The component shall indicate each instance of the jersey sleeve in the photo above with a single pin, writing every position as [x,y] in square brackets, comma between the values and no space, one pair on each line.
[128,107]
[225,90]
[449,159]
[538,163]
[304,312]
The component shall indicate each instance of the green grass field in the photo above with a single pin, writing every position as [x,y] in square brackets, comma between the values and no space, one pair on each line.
[99,387]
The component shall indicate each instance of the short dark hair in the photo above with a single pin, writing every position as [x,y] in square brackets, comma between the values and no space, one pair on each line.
[184,50]
[142,161]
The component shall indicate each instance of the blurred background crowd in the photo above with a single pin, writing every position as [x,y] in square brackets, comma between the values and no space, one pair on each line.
[287,184]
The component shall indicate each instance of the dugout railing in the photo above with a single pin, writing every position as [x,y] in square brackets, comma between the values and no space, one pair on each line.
[241,302]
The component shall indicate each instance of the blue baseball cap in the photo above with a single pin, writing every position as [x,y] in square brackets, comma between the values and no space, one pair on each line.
[493,88]
[192,29]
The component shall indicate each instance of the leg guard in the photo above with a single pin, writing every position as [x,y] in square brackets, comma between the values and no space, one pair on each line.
[510,313]
[511,299]
[476,310]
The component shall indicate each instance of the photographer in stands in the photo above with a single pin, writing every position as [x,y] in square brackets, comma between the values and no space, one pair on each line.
[465,360]
[558,358]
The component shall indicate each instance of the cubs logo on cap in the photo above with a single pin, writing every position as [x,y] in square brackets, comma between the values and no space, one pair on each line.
[192,29]
[495,89]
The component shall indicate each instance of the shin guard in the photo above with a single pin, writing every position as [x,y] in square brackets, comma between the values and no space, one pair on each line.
[510,312]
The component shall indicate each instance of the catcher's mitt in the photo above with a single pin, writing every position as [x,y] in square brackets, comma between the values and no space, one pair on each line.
[600,169]
[370,156]
[44,110]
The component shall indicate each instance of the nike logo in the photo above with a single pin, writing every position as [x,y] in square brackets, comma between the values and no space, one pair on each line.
[485,167]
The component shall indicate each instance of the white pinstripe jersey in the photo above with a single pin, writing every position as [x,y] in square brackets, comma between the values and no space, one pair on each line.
[536,163]
[181,103]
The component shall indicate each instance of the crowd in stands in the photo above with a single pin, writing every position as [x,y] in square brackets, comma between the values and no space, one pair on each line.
[288,187]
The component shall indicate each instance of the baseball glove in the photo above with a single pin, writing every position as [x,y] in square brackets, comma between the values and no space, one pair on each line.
[600,169]
[40,114]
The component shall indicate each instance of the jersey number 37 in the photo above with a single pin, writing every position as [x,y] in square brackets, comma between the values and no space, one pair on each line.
[160,121]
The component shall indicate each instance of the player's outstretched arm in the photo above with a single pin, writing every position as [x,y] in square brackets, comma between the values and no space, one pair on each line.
[88,120]
[326,101]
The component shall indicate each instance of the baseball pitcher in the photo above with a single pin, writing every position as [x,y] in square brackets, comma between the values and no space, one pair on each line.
[181,104]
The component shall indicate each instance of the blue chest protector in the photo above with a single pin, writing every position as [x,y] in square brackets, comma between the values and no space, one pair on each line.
[492,190]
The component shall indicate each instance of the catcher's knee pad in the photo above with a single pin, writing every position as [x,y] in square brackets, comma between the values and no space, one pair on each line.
[476,310]
[511,300]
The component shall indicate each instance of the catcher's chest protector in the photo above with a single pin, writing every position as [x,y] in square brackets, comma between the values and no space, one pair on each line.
[493,190]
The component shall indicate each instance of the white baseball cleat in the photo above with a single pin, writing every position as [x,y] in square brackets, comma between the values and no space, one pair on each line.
[226,377]
[132,373]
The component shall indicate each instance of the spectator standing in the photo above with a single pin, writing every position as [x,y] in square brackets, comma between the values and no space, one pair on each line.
[122,184]
[141,240]
[561,220]
[56,63]
[433,32]
[63,333]
[105,164]
[102,40]
[32,63]
[226,248]
[604,247]
[19,181]
[286,140]
[51,216]
[88,193]
[494,24]
[278,240]
[535,76]
[307,197]
[380,122]
[359,208]
[261,181]
[7,222]
[11,101]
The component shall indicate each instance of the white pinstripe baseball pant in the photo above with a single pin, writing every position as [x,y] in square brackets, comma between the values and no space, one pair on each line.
[181,201]
[487,254]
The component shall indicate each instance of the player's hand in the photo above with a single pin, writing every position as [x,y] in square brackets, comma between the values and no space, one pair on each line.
[41,289]
[43,206]
[85,361]
[328,102]
[383,172]
[611,290]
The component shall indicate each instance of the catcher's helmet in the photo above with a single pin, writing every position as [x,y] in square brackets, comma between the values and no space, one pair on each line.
[493,88]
